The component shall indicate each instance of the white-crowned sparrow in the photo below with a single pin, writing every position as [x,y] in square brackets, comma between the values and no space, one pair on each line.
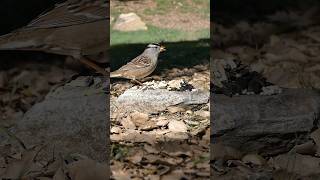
[141,66]
[75,28]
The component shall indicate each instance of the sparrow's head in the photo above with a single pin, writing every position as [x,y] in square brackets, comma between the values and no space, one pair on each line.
[155,47]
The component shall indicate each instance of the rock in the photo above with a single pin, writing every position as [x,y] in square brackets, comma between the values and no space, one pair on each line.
[156,100]
[250,123]
[71,119]
[177,126]
[129,22]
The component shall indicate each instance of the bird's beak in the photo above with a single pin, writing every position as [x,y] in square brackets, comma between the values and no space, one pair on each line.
[162,48]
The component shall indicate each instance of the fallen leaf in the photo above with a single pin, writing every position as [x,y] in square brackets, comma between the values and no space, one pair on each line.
[177,126]
[220,151]
[300,164]
[139,119]
[19,168]
[88,169]
[127,123]
[254,159]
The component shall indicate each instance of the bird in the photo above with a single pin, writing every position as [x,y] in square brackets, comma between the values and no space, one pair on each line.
[141,66]
[74,28]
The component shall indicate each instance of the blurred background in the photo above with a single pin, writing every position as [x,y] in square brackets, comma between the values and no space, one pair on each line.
[16,13]
[182,25]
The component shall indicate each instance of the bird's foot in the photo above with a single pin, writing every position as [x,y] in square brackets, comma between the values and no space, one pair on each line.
[136,82]
[89,63]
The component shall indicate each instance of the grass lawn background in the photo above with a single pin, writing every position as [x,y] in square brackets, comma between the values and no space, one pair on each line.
[185,47]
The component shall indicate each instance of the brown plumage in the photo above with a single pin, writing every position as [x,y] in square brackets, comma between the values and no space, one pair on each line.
[75,28]
[141,66]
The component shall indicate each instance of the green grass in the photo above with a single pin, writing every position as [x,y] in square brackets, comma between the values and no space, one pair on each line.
[154,34]
[201,7]
[184,48]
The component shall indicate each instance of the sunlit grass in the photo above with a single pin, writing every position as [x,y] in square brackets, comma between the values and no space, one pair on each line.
[155,34]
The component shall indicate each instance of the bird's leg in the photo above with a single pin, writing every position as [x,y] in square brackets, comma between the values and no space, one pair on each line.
[92,65]
[134,81]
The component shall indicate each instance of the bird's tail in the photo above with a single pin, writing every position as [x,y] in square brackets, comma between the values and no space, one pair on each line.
[19,40]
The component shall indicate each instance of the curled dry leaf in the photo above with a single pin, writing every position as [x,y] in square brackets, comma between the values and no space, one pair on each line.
[296,163]
[88,169]
[139,119]
[220,151]
[176,174]
[175,109]
[136,158]
[127,123]
[177,126]
[315,135]
[202,113]
[254,159]
[161,121]
[308,148]
[19,169]
[115,130]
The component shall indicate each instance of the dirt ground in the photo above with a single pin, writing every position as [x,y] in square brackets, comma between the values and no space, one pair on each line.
[147,146]
[180,15]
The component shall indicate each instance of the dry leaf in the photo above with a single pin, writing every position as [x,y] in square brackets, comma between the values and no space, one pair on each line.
[254,159]
[177,126]
[20,168]
[88,169]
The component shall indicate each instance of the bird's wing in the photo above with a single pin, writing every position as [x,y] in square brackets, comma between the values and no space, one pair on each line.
[72,12]
[137,63]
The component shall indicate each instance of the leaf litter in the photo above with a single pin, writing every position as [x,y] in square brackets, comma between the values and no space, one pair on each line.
[172,143]
[283,49]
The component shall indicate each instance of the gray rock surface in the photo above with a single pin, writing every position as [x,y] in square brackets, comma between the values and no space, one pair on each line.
[155,100]
[260,123]
[72,118]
